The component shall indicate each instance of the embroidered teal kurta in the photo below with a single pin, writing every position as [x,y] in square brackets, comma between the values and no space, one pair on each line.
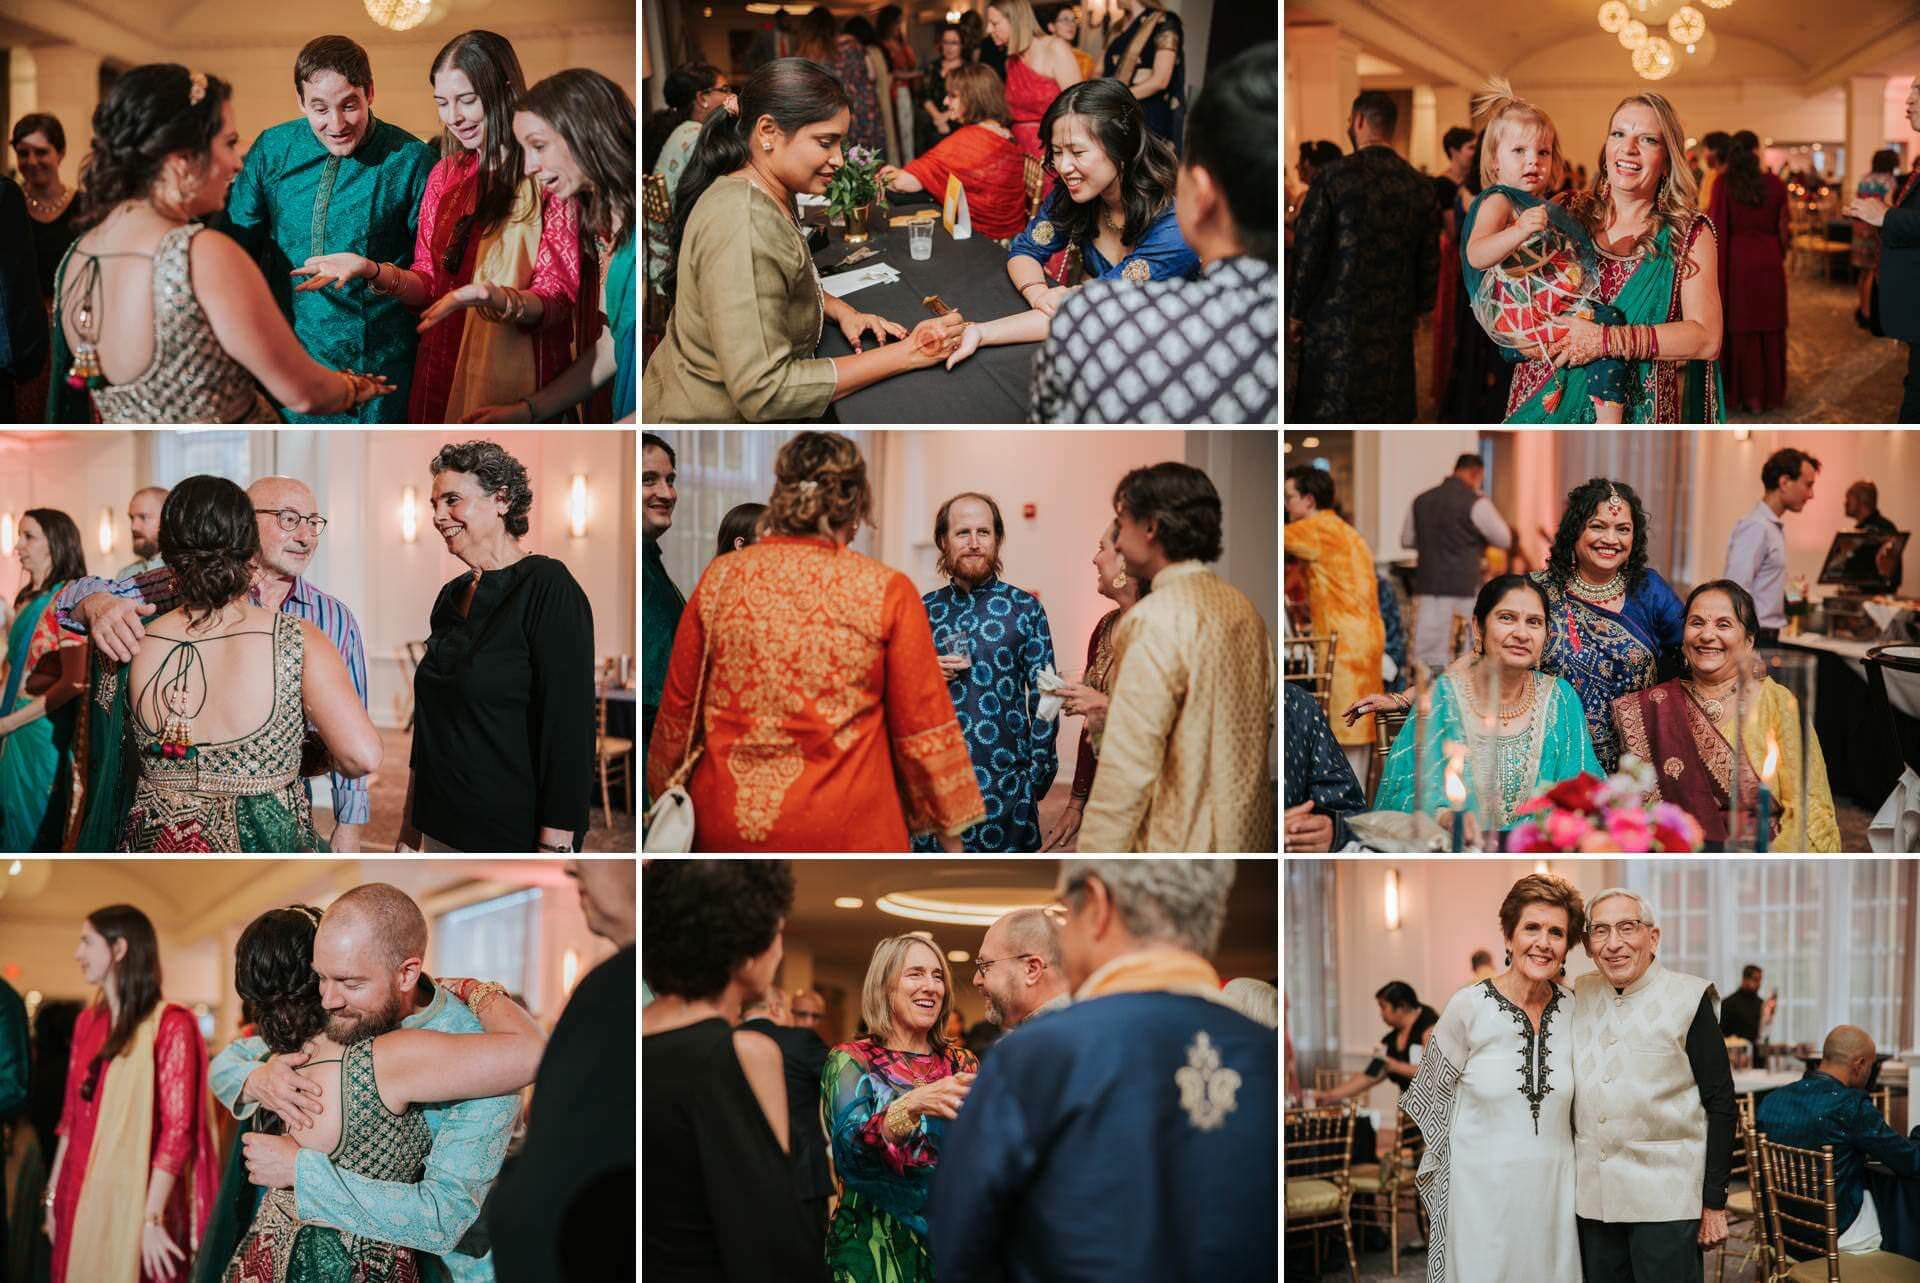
[293,200]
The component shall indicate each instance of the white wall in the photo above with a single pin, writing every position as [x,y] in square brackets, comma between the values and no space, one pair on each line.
[1390,470]
[1727,485]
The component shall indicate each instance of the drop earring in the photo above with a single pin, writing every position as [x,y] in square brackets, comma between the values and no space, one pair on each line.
[1119,581]
[766,146]
[1509,957]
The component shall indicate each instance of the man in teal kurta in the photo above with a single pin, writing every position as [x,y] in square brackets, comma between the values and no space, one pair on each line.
[660,599]
[337,180]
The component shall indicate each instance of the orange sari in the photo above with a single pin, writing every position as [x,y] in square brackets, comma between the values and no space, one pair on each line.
[824,716]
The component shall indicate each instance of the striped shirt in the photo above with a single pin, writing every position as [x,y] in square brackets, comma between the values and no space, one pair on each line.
[351,802]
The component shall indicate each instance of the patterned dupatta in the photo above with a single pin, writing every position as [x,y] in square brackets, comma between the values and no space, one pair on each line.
[1603,654]
[1666,391]
[1667,727]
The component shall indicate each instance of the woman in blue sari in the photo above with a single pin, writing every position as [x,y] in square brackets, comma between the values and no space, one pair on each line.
[1523,729]
[1614,623]
[45,669]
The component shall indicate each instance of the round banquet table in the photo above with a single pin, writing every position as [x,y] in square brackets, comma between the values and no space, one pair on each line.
[991,386]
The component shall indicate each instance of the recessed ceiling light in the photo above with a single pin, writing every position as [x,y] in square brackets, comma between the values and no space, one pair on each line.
[958,955]
[924,935]
[848,902]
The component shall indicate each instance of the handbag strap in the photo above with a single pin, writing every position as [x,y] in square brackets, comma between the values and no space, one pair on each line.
[691,753]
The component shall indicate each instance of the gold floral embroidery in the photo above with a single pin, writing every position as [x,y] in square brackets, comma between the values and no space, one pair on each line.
[793,627]
[1674,768]
[1656,696]
[1043,233]
[939,792]
[1137,271]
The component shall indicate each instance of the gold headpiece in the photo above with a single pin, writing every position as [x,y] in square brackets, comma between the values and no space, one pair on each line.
[199,90]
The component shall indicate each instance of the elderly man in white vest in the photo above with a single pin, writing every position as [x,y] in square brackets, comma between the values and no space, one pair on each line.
[1653,1105]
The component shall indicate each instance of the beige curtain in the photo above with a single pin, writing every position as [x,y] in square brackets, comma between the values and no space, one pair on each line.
[1659,467]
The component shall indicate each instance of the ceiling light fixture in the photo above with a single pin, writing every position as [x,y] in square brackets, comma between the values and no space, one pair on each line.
[971,907]
[848,902]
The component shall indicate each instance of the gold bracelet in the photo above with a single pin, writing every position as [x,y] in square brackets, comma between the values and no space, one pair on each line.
[379,276]
[157,1219]
[482,995]
[900,1121]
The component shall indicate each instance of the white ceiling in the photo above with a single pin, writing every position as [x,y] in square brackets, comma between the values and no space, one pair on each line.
[1818,45]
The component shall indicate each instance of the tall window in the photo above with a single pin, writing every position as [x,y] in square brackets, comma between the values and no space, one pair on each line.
[492,940]
[190,452]
[718,470]
[1831,934]
[1312,979]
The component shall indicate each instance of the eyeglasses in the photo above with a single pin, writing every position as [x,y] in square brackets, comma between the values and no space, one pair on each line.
[1628,931]
[290,520]
[980,965]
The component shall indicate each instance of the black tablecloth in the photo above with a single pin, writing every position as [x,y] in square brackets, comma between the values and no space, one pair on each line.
[1897,1201]
[991,386]
[1864,759]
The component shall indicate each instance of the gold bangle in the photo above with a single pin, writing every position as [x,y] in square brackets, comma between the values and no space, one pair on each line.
[379,276]
[483,995]
[157,1219]
[900,1121]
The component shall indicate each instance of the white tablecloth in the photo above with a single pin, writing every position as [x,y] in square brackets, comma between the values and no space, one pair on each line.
[1758,1080]
[1903,689]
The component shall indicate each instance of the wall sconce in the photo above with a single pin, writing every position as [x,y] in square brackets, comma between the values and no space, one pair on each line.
[577,507]
[1543,866]
[1743,435]
[106,530]
[409,514]
[7,532]
[1392,900]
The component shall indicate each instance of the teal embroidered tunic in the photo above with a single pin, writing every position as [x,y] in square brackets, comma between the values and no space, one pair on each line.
[294,199]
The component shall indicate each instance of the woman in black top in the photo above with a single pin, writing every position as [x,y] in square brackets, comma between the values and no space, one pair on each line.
[39,147]
[720,1191]
[1409,1022]
[503,726]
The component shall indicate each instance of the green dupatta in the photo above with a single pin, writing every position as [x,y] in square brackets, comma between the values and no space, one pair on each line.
[109,770]
[1663,391]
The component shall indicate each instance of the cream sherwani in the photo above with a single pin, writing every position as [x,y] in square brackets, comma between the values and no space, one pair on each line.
[1183,759]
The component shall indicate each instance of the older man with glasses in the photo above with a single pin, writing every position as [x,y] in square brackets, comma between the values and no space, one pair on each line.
[110,612]
[1654,1113]
[1018,968]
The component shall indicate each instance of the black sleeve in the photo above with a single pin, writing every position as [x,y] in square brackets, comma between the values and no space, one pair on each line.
[25,321]
[560,641]
[1707,1053]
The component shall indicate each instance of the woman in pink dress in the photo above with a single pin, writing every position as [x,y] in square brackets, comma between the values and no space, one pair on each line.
[497,258]
[135,1166]
[1039,66]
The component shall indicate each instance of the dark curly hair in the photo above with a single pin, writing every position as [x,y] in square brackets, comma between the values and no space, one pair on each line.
[1182,499]
[1582,502]
[498,473]
[209,538]
[146,117]
[274,976]
[700,919]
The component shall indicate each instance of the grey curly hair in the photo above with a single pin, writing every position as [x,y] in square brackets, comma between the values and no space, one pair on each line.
[498,473]
[1182,902]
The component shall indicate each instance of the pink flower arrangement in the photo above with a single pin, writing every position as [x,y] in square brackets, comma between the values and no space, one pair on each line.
[1590,814]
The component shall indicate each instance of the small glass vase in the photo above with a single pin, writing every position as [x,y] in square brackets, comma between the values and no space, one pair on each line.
[859,223]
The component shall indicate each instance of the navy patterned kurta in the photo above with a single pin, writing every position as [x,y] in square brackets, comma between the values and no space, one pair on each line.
[1014,758]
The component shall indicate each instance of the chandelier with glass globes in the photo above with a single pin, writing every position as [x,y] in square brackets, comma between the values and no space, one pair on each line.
[1660,36]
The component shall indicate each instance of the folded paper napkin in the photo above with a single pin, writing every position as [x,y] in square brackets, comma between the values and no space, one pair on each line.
[1896,826]
[846,283]
[1048,681]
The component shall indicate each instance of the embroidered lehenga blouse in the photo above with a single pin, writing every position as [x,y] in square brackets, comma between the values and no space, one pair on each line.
[805,673]
[1609,653]
[1494,1100]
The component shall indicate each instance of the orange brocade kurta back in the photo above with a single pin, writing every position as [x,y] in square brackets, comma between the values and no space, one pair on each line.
[826,723]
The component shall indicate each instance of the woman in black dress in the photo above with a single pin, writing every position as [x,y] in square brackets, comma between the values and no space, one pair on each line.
[1397,1057]
[503,738]
[716,1176]
[1149,57]
[39,147]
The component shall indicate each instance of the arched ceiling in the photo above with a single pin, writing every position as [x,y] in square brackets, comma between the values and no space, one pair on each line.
[1815,45]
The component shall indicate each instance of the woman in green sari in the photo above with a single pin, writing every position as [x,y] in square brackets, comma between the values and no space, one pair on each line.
[1522,730]
[1658,265]
[45,669]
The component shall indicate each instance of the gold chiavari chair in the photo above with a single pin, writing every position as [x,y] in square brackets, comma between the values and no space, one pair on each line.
[1309,661]
[1386,726]
[1383,1192]
[1883,1101]
[1804,1230]
[1743,1205]
[1319,1181]
[1327,1079]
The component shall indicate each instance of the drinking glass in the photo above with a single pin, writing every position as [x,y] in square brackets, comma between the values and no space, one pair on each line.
[920,239]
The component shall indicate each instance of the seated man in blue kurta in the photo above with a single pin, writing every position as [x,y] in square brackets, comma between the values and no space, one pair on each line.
[436,1213]
[991,639]
[1134,1136]
[337,179]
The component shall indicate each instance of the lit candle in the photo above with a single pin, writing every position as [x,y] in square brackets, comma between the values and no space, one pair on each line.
[1457,799]
[1763,830]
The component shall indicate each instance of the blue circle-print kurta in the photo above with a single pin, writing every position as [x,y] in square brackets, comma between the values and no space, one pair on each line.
[1014,759]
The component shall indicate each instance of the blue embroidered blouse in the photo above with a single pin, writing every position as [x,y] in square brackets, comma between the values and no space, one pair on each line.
[1161,253]
[1014,758]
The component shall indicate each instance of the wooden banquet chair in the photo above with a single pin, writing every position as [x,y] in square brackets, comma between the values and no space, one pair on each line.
[1385,727]
[1804,1231]
[1388,1190]
[657,216]
[1882,1098]
[1327,1079]
[1743,1205]
[1319,1167]
[1035,177]
[611,753]
[1309,661]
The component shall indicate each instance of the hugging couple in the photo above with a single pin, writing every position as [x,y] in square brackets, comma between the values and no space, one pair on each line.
[376,1104]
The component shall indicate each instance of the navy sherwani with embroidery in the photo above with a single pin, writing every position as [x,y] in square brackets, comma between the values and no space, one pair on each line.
[1130,1138]
[1014,759]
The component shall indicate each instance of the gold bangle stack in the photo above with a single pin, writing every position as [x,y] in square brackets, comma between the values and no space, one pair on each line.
[484,994]
[513,311]
[900,1121]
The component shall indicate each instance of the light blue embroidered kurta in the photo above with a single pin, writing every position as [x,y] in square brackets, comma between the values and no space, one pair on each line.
[469,1144]
[1014,759]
